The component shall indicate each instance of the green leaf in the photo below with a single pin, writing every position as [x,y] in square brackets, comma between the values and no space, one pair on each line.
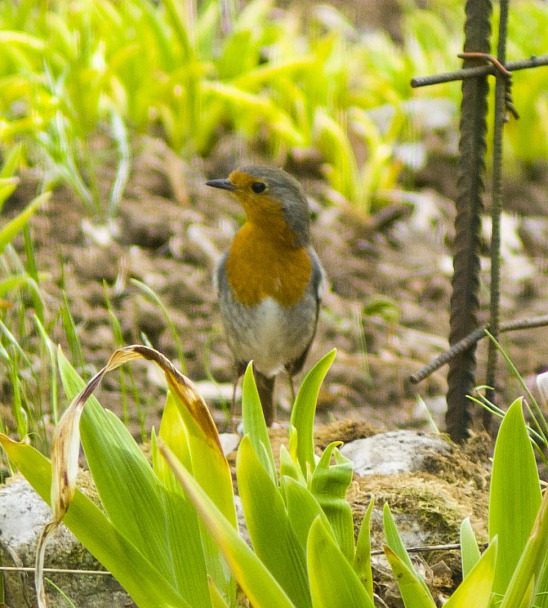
[8,185]
[412,588]
[362,558]
[12,161]
[159,523]
[514,497]
[261,588]
[333,582]
[470,553]
[8,232]
[401,564]
[254,423]
[302,509]
[147,586]
[217,600]
[302,416]
[267,519]
[15,281]
[172,432]
[209,467]
[475,589]
[532,566]
[288,467]
[329,484]
[542,586]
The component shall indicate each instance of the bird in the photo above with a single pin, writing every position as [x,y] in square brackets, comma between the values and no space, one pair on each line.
[270,280]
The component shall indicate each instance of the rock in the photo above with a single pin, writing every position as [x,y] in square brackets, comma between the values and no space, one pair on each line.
[229,442]
[22,515]
[431,486]
[395,452]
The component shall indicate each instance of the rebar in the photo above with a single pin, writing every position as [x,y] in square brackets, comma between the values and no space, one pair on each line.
[469,203]
[482,70]
[501,89]
[472,338]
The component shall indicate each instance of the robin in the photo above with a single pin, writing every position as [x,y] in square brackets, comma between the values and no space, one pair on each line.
[270,280]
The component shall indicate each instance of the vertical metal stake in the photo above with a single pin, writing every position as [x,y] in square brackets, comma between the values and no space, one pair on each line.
[500,117]
[464,299]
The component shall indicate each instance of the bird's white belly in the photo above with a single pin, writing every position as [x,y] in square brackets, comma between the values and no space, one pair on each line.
[271,337]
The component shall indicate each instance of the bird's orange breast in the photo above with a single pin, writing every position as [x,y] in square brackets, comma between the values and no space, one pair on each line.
[259,267]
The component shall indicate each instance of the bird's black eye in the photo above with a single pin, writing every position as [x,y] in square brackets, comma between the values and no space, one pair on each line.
[258,187]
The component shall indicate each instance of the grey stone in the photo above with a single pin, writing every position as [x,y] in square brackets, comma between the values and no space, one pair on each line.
[394,452]
[22,515]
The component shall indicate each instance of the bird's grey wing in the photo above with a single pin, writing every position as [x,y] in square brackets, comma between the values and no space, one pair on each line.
[317,286]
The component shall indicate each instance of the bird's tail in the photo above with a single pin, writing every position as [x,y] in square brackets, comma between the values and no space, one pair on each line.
[265,386]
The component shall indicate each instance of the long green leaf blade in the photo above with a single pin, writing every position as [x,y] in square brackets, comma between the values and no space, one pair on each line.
[333,582]
[413,592]
[514,497]
[302,416]
[254,423]
[261,588]
[530,572]
[469,550]
[146,585]
[267,519]
[302,509]
[397,548]
[475,589]
[158,522]
[362,558]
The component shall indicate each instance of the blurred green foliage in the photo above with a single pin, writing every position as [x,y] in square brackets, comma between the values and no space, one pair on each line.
[296,80]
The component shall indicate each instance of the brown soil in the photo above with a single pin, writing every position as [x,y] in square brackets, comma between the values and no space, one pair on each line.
[386,311]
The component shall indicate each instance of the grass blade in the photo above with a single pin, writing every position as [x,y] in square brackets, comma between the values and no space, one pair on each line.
[8,232]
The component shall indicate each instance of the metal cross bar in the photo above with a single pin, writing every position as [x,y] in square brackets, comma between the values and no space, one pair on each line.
[472,338]
[482,70]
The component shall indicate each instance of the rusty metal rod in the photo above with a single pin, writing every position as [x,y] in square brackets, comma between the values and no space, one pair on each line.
[502,91]
[482,70]
[464,303]
[472,338]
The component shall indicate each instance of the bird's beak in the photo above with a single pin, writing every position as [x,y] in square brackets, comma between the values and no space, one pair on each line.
[223,184]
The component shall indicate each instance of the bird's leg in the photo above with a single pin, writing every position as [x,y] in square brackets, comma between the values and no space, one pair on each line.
[291,388]
[233,404]
[265,387]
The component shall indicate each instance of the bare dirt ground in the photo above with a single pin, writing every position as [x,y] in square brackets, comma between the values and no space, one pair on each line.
[386,311]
